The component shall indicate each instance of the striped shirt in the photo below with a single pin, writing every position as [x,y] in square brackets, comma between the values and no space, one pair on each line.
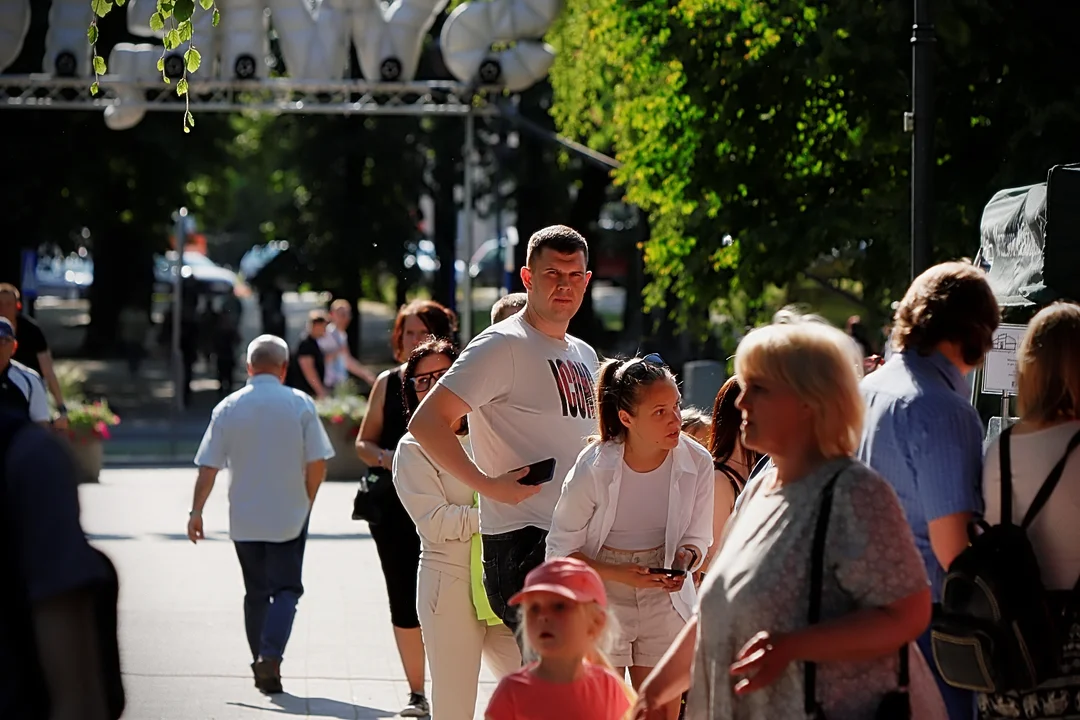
[21,389]
[266,434]
[924,437]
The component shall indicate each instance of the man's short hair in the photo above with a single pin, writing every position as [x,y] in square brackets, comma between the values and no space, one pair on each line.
[506,306]
[318,317]
[9,289]
[559,238]
[949,302]
[267,351]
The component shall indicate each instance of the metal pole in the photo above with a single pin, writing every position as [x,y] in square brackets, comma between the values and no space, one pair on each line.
[921,121]
[465,319]
[1005,411]
[177,354]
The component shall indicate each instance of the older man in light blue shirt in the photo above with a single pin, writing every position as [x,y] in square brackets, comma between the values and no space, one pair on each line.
[271,439]
[921,432]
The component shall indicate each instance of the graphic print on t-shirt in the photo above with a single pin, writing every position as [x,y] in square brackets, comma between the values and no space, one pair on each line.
[575,385]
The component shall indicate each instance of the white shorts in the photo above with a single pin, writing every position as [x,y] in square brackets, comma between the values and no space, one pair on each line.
[648,622]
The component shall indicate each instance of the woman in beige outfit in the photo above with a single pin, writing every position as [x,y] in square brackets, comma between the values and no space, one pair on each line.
[447,519]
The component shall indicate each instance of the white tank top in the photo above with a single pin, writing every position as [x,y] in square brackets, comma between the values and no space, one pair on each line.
[641,515]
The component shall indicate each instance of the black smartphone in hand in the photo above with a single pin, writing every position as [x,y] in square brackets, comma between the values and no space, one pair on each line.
[540,473]
[670,572]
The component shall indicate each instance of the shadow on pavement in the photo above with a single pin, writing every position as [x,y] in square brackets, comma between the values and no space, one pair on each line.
[219,537]
[288,704]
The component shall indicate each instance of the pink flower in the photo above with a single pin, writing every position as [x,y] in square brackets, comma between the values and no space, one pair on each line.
[337,419]
[101,430]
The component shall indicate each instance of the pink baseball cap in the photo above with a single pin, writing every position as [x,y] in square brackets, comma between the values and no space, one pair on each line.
[568,577]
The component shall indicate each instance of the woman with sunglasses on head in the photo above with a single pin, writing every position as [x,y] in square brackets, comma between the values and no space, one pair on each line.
[391,527]
[458,624]
[637,507]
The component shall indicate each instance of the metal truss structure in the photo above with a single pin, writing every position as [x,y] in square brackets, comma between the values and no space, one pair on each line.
[273,95]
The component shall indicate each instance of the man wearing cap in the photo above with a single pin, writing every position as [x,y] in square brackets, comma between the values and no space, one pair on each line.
[21,389]
[33,349]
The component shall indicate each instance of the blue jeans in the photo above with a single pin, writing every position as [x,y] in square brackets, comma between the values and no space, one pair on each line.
[960,704]
[272,584]
[508,558]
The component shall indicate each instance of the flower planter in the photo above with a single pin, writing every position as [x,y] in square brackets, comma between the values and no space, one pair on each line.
[88,452]
[345,465]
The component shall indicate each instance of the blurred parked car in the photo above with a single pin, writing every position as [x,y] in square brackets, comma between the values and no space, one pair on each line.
[213,277]
[66,276]
[485,267]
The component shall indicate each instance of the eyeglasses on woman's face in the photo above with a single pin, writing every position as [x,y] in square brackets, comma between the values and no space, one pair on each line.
[425,381]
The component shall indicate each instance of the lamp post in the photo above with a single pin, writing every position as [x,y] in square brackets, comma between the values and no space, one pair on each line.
[920,122]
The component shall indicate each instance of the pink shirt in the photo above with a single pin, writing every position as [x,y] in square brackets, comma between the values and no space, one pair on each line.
[596,695]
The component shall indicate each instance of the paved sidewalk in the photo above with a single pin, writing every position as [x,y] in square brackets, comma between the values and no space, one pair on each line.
[181,617]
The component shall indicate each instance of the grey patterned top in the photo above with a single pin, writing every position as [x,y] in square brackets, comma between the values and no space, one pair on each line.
[760,580]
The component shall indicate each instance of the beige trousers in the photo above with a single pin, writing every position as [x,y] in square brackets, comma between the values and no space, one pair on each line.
[455,641]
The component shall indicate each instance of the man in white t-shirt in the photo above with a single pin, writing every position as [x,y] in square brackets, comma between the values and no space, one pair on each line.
[528,389]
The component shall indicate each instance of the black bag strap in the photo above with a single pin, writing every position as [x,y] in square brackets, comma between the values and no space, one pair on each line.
[817,571]
[1049,484]
[1005,460]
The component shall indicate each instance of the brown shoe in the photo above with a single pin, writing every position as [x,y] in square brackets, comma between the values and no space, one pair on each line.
[268,676]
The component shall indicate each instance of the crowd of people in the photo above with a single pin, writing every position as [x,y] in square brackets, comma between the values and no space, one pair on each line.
[609,554]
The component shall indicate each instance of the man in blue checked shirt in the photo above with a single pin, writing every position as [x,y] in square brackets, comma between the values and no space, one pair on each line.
[922,433]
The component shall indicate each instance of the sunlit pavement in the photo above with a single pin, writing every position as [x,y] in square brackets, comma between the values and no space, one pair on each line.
[181,617]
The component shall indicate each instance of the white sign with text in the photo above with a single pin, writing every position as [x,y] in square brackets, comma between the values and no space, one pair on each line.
[999,368]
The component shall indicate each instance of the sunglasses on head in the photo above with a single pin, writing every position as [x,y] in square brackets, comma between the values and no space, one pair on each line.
[423,383]
[653,359]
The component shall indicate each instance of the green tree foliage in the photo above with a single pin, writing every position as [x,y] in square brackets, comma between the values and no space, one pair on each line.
[763,137]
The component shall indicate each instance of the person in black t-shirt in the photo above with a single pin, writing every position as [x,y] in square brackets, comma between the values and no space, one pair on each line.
[308,365]
[33,349]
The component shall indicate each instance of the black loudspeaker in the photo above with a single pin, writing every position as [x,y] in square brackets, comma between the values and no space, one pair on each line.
[244,67]
[490,71]
[174,66]
[66,65]
[1031,240]
[390,70]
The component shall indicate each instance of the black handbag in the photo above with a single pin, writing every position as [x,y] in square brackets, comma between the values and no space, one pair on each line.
[896,705]
[371,496]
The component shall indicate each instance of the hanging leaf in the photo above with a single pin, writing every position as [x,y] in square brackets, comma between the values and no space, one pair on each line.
[161,64]
[217,17]
[101,8]
[192,59]
[172,40]
[190,118]
[157,22]
[185,31]
[92,34]
[183,9]
[94,89]
[206,4]
[99,65]
[181,87]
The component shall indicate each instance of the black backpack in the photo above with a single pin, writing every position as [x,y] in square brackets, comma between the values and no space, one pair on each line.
[16,607]
[997,629]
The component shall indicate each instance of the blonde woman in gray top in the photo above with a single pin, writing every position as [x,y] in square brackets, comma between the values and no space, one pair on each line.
[457,631]
[752,638]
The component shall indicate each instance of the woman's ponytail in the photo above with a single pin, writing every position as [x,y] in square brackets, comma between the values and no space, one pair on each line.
[607,402]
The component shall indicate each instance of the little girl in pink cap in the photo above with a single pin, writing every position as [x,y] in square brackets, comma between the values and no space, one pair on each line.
[564,617]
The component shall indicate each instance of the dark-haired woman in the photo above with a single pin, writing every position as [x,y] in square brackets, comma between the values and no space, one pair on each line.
[459,625]
[394,533]
[732,462]
[639,500]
